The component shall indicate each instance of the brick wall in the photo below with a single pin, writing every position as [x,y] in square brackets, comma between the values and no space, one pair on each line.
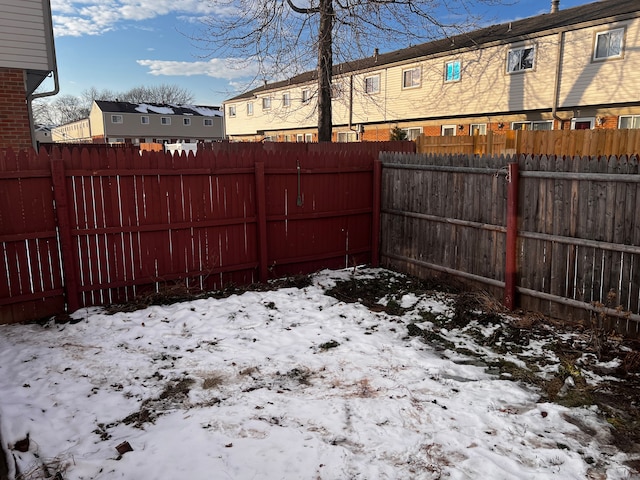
[15,130]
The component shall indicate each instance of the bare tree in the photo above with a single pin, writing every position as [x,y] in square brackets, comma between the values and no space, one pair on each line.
[279,34]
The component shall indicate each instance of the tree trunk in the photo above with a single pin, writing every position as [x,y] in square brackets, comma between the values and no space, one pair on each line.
[325,67]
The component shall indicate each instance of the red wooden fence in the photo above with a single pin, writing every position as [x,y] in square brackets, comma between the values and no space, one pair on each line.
[81,228]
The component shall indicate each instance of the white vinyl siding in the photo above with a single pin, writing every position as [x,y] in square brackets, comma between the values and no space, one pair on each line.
[27,41]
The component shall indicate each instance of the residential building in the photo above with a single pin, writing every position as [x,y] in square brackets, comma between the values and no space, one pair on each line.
[27,57]
[136,123]
[571,68]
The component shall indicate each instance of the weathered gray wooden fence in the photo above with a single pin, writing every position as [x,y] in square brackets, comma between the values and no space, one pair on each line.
[577,252]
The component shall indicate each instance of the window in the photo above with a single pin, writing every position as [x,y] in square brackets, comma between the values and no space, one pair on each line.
[372,84]
[300,138]
[306,96]
[116,118]
[165,120]
[448,130]
[413,132]
[520,59]
[308,137]
[116,140]
[452,71]
[144,120]
[629,121]
[232,110]
[286,99]
[186,122]
[346,137]
[266,103]
[336,90]
[478,129]
[541,125]
[609,44]
[411,78]
[250,108]
[207,122]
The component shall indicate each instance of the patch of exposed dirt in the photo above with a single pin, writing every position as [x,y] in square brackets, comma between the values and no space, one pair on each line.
[591,368]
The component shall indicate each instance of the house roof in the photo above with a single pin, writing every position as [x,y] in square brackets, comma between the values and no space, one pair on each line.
[502,33]
[158,109]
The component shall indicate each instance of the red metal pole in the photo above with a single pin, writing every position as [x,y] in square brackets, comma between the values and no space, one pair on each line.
[69,259]
[375,220]
[512,237]
[261,205]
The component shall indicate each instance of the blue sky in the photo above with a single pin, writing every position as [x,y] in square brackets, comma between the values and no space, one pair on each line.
[121,44]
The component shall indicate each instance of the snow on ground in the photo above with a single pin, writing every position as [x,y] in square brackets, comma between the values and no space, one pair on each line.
[285,384]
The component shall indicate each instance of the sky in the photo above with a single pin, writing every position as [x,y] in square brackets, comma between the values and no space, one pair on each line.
[121,44]
[293,384]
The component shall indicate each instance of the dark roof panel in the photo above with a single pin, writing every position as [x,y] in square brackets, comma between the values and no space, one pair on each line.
[159,109]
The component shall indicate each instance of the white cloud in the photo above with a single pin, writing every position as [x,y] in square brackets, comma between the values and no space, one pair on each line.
[93,17]
[227,69]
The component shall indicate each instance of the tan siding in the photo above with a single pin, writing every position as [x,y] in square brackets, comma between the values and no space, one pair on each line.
[599,82]
[24,39]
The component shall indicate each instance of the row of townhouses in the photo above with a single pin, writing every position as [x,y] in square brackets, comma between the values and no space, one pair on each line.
[574,68]
[136,123]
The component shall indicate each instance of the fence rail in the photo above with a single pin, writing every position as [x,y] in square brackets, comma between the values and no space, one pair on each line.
[577,229]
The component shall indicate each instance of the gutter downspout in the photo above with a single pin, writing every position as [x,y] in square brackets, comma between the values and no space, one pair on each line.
[556,87]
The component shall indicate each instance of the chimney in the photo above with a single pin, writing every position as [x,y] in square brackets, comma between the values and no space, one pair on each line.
[555,6]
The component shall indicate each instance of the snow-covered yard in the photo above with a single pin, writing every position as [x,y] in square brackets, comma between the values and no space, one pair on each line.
[296,384]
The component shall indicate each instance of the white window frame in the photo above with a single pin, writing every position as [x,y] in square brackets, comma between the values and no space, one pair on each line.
[116,140]
[444,128]
[116,119]
[482,128]
[634,119]
[286,99]
[249,108]
[207,122]
[531,125]
[372,84]
[300,138]
[308,137]
[186,122]
[144,119]
[412,132]
[231,110]
[602,36]
[411,78]
[592,120]
[165,120]
[347,137]
[454,77]
[266,103]
[336,90]
[512,68]
[306,95]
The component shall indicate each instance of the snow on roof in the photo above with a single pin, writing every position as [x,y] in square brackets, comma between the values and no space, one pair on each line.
[205,111]
[146,108]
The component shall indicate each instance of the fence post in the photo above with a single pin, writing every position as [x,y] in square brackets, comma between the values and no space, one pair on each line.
[512,237]
[69,263]
[261,205]
[375,213]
